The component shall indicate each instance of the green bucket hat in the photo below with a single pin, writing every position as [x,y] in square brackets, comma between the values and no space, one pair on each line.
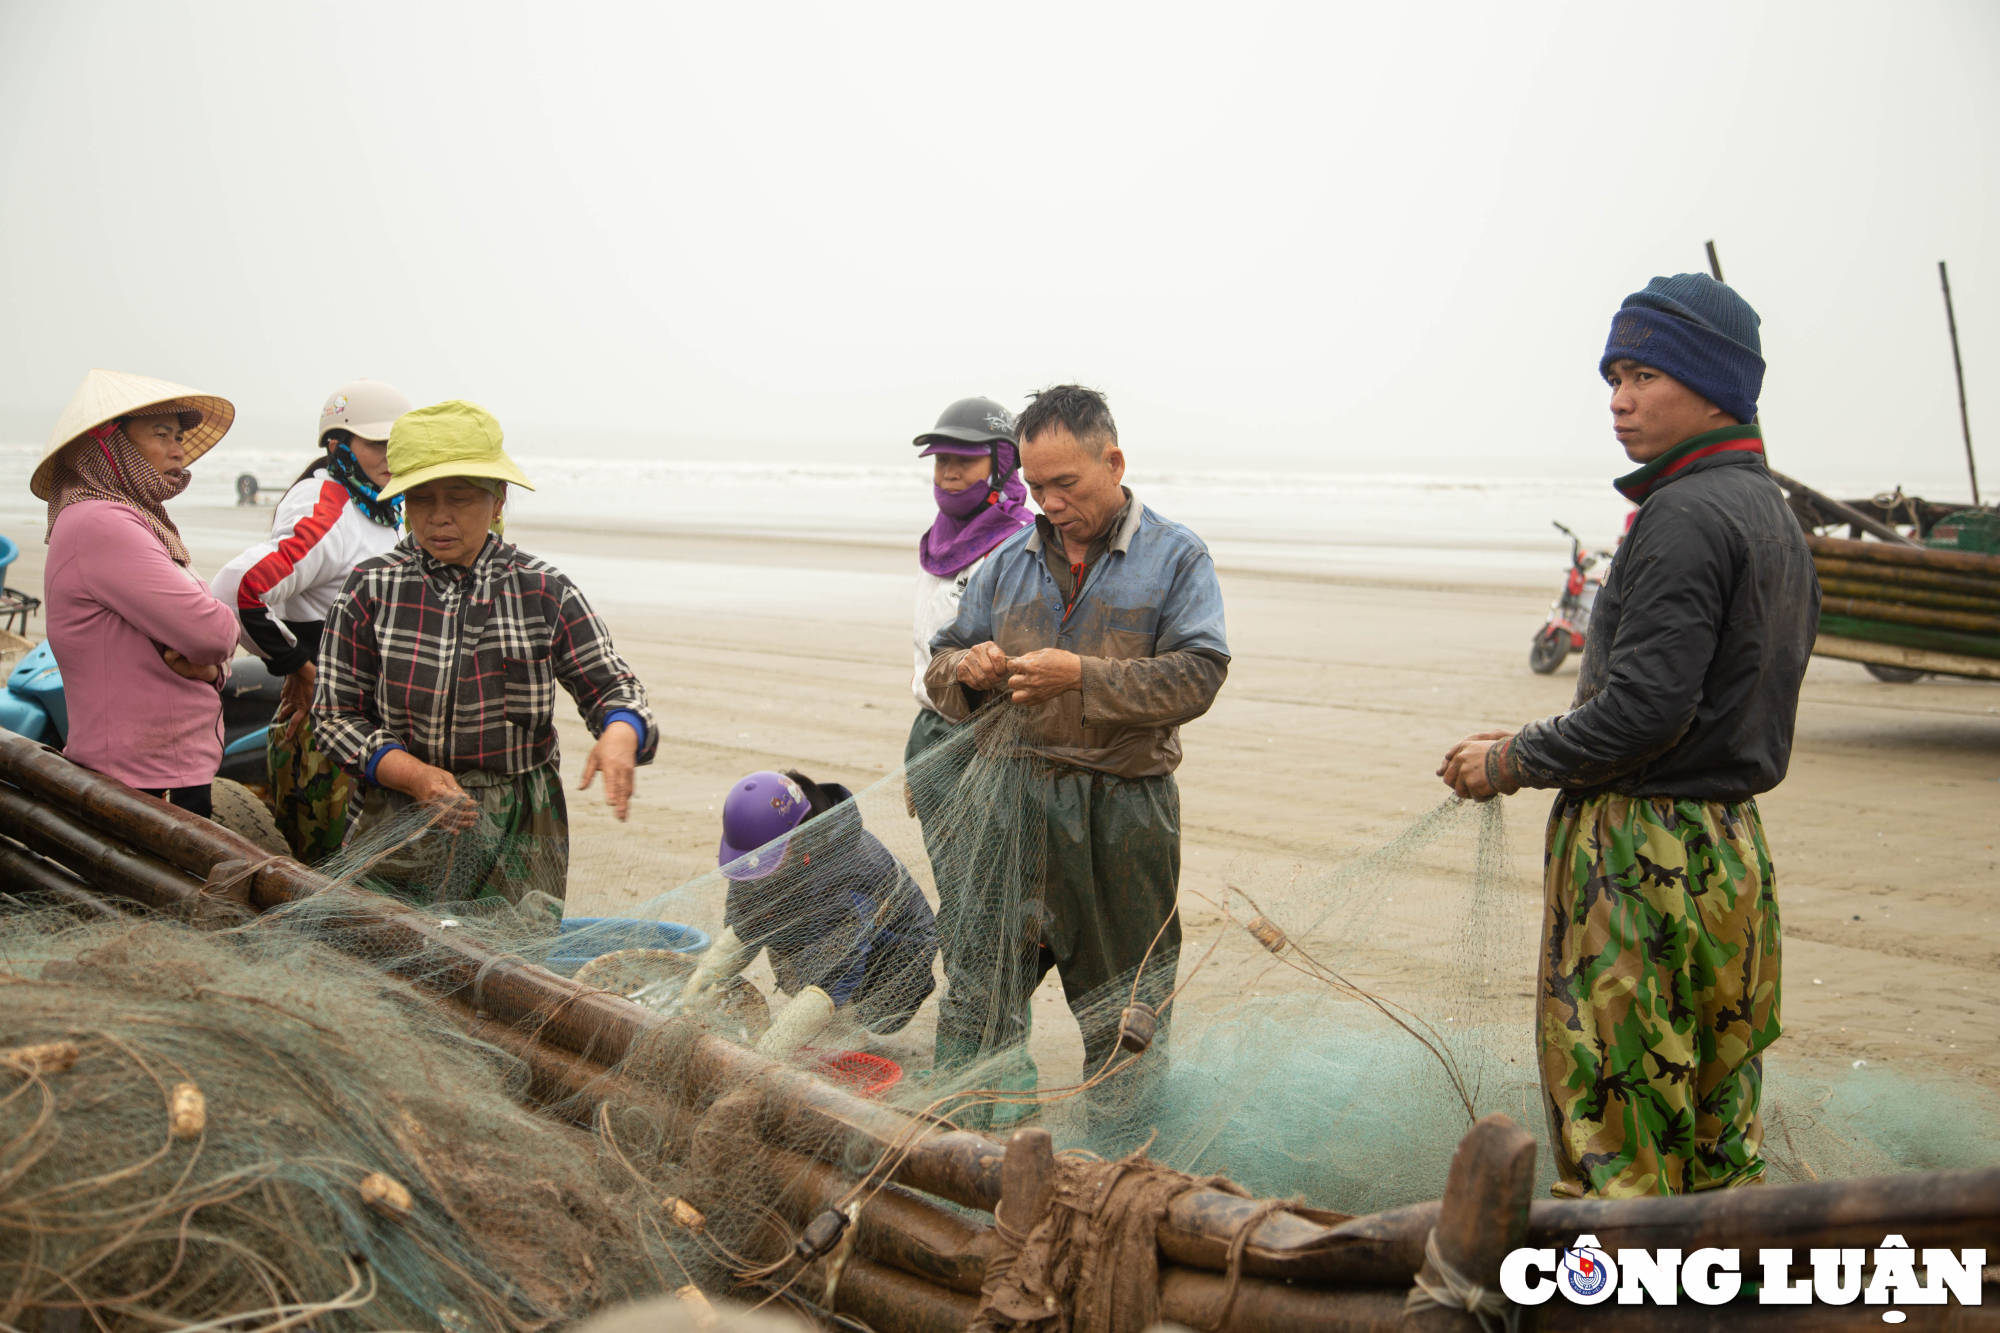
[454,439]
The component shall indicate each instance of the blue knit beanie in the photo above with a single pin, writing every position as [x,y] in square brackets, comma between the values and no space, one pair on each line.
[1700,332]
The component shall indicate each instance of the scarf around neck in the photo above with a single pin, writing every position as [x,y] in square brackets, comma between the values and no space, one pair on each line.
[345,468]
[974,521]
[104,465]
[1636,486]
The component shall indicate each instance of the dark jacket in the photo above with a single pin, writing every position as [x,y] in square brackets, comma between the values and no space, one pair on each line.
[1689,685]
[842,913]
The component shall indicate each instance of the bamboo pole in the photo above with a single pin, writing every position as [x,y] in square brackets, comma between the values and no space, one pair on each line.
[1958,370]
[25,872]
[1916,659]
[1027,1179]
[890,1301]
[1902,576]
[1963,622]
[93,857]
[1845,513]
[1905,556]
[1193,1300]
[1483,1217]
[1925,598]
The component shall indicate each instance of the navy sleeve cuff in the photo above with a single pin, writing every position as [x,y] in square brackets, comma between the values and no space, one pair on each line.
[626,715]
[368,770]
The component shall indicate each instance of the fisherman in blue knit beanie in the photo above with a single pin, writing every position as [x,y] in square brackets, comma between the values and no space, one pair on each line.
[1700,332]
[1659,963]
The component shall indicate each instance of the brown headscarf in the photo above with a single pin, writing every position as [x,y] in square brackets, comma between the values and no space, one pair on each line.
[104,465]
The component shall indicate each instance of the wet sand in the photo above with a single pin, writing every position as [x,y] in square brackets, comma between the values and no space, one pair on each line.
[1343,694]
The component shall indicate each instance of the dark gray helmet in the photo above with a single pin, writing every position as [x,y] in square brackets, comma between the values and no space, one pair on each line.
[971,421]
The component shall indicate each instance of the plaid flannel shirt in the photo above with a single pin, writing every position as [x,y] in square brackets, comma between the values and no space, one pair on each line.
[459,665]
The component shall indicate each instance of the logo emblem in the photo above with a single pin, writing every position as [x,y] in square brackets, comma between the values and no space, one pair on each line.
[999,421]
[1587,1273]
[336,407]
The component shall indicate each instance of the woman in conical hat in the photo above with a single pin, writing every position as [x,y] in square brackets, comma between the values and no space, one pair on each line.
[140,639]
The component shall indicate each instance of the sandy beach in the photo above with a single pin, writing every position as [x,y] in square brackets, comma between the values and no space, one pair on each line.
[1344,691]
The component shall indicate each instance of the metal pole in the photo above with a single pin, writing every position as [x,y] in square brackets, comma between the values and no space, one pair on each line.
[1958,368]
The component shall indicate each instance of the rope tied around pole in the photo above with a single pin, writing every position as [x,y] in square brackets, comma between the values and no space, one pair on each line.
[1239,1245]
[1454,1291]
[228,886]
[1092,1263]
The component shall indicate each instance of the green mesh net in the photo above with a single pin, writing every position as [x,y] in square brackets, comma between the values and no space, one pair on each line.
[1327,1031]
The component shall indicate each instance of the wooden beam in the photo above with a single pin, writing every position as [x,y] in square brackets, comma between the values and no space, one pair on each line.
[1483,1217]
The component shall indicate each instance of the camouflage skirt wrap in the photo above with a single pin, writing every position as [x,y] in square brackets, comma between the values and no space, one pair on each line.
[1659,993]
[518,849]
[308,794]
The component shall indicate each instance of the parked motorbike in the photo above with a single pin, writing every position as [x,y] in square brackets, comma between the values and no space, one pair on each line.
[1569,617]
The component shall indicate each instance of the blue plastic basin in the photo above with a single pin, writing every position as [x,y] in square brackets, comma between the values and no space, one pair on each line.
[247,742]
[583,938]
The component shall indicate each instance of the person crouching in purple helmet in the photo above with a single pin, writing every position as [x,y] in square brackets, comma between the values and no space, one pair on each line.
[845,923]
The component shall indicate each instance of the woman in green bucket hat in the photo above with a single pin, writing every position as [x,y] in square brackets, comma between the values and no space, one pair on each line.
[438,669]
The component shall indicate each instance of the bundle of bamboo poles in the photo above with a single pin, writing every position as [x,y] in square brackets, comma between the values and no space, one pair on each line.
[917,1266]
[1908,605]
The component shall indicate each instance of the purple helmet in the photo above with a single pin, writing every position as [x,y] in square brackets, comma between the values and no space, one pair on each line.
[759,810]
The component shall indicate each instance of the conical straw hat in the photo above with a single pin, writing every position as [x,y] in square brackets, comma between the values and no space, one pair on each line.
[106,395]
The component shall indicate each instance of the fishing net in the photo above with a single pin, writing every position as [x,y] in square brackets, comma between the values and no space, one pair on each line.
[1327,1029]
[249,1126]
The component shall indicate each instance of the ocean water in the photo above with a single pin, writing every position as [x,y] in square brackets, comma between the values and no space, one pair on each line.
[1393,527]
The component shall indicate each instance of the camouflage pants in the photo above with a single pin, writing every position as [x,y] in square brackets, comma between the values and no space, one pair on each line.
[1659,994]
[518,850]
[308,794]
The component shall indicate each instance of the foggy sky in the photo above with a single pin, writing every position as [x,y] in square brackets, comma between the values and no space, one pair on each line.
[1355,237]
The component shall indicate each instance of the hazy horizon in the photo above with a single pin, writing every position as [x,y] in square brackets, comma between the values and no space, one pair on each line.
[1349,240]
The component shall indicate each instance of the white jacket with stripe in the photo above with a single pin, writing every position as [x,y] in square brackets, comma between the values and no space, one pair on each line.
[283,587]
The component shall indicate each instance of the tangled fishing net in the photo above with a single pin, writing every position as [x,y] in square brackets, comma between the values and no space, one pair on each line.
[249,1126]
[279,1121]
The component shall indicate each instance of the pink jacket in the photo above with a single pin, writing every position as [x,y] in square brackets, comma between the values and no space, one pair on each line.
[112,595]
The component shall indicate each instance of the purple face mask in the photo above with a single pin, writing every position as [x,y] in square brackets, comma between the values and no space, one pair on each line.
[968,526]
[963,504]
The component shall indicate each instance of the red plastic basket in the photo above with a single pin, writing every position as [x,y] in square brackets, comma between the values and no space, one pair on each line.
[859,1072]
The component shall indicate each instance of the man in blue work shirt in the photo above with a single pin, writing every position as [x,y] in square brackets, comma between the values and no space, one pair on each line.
[1104,621]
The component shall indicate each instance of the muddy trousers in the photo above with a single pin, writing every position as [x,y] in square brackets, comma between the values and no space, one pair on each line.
[1659,993]
[984,1009]
[518,850]
[1109,873]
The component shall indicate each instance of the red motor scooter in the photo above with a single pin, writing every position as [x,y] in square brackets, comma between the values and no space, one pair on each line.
[1569,618]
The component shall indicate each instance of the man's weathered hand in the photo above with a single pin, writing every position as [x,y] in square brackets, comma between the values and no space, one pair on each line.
[984,667]
[1464,766]
[295,700]
[1044,674]
[616,755]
